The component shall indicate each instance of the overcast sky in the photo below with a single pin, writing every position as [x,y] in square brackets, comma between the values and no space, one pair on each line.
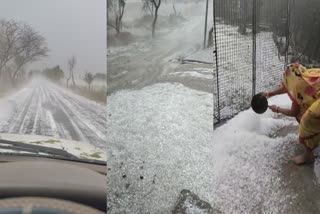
[70,26]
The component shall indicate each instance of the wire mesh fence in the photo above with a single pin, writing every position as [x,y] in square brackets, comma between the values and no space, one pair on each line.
[251,40]
[234,45]
[271,43]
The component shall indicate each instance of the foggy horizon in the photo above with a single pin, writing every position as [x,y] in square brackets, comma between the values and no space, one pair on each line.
[74,27]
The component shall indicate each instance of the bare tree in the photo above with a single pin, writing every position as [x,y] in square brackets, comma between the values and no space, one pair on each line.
[174,8]
[148,7]
[156,4]
[116,9]
[9,36]
[88,77]
[71,64]
[19,44]
[33,48]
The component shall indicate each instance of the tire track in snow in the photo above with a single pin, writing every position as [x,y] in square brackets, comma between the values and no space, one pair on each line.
[70,128]
[29,124]
[22,110]
[46,109]
[84,126]
[94,111]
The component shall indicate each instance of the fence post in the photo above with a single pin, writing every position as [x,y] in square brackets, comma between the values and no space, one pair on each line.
[215,51]
[254,47]
[205,26]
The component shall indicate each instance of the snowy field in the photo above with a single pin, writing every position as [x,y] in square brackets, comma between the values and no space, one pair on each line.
[252,172]
[159,111]
[247,164]
[165,144]
[185,8]
[160,137]
[42,108]
[146,61]
[195,73]
[96,84]
[162,133]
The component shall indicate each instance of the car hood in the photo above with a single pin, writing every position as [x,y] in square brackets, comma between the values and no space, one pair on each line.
[76,148]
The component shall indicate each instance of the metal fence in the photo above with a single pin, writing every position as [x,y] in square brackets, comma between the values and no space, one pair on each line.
[251,46]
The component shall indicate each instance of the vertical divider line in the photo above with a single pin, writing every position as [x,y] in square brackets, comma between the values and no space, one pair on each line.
[287,34]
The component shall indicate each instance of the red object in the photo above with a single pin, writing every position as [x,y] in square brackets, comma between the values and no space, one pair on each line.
[287,72]
[290,96]
[301,139]
[310,91]
[313,79]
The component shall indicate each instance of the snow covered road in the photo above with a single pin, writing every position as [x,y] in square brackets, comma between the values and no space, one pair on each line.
[149,61]
[42,108]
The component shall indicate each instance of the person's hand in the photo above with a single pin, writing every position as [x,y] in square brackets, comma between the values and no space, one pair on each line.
[266,94]
[274,108]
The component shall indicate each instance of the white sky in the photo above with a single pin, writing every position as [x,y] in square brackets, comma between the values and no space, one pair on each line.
[70,26]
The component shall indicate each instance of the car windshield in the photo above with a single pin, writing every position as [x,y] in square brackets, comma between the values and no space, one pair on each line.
[53,78]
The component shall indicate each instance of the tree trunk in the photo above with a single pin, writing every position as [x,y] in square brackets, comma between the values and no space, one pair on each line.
[16,72]
[117,25]
[68,79]
[121,9]
[154,23]
[152,11]
[73,82]
[11,79]
[243,17]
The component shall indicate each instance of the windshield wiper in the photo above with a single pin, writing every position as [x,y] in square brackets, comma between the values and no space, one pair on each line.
[44,152]
[18,146]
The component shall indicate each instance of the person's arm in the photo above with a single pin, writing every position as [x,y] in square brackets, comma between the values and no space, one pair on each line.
[293,112]
[278,91]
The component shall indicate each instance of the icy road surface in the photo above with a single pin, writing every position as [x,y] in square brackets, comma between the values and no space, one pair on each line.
[147,62]
[158,140]
[42,108]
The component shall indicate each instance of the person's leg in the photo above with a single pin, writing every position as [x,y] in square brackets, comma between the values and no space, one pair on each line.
[309,134]
[306,157]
